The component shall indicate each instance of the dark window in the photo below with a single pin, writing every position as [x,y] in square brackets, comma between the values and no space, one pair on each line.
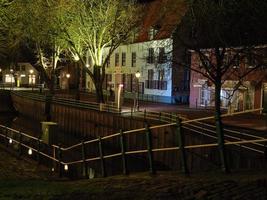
[123,59]
[107,81]
[155,84]
[150,58]
[236,62]
[117,59]
[150,75]
[250,61]
[23,68]
[162,55]
[128,83]
[133,59]
[108,62]
[161,75]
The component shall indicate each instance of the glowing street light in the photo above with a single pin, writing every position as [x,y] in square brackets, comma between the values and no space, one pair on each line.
[68,75]
[137,75]
[66,167]
[30,151]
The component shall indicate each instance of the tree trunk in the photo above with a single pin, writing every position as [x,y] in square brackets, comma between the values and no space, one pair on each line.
[99,93]
[219,126]
[98,84]
[78,75]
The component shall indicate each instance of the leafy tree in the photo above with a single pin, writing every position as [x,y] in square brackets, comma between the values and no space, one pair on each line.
[34,24]
[223,33]
[99,28]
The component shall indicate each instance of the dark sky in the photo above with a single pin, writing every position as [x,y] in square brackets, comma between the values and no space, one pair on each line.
[145,1]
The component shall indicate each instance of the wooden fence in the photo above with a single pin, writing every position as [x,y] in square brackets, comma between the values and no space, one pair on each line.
[78,157]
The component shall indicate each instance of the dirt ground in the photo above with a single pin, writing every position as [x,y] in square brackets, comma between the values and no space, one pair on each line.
[20,179]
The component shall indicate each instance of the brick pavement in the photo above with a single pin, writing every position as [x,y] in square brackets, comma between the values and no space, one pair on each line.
[253,121]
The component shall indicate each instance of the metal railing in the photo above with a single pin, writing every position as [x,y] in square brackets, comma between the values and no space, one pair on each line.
[60,154]
[68,102]
[109,107]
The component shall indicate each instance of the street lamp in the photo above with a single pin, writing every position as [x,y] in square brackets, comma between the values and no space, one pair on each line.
[137,75]
[68,77]
[31,72]
[119,96]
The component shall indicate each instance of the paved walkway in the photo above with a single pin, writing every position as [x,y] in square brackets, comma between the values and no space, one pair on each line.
[253,121]
[249,121]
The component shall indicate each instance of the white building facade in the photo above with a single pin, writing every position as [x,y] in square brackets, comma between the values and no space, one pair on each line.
[152,59]
[23,74]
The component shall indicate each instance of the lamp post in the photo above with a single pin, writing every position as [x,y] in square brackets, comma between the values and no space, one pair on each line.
[137,75]
[68,78]
[119,96]
[31,73]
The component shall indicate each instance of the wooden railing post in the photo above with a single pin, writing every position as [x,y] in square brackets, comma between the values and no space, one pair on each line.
[20,146]
[101,155]
[38,150]
[123,156]
[180,137]
[84,167]
[265,150]
[159,116]
[145,114]
[6,137]
[149,149]
[60,166]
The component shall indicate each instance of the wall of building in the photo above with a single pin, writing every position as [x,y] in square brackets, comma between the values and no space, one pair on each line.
[248,96]
[157,83]
[24,74]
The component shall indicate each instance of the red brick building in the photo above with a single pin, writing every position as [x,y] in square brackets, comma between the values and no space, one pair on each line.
[237,94]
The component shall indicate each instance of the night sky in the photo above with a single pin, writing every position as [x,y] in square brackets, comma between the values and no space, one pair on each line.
[145,1]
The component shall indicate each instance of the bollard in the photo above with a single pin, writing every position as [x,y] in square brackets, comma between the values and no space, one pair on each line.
[123,155]
[101,155]
[84,165]
[149,149]
[180,136]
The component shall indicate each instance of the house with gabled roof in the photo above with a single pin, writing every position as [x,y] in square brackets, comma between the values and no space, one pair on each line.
[151,53]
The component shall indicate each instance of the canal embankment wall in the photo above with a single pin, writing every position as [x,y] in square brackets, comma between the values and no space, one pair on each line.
[86,123]
[6,105]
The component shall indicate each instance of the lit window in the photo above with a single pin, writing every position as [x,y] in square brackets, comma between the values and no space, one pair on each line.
[31,79]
